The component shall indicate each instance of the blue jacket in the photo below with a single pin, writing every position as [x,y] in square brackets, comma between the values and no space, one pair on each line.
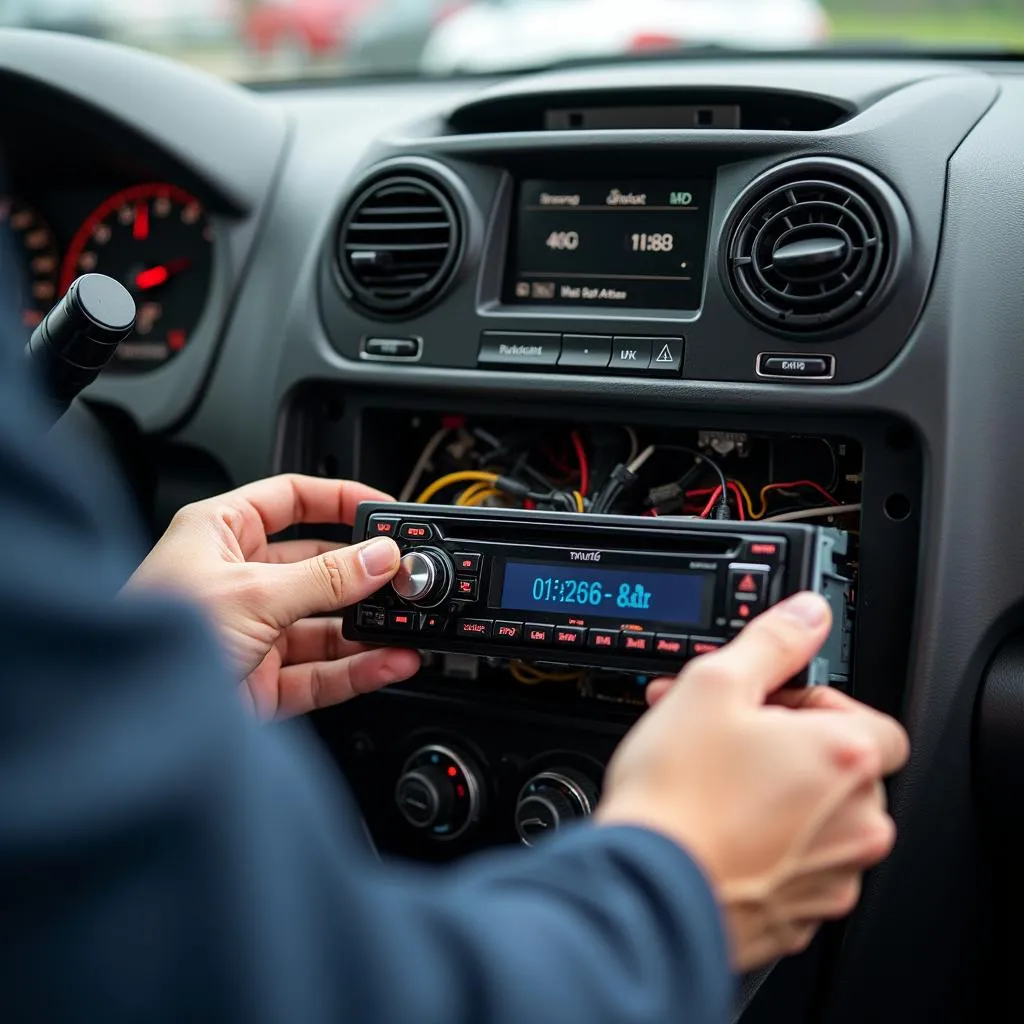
[164,858]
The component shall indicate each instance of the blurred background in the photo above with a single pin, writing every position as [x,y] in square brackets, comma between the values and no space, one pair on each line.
[285,39]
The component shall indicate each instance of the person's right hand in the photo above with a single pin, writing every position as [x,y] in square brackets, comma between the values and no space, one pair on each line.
[778,799]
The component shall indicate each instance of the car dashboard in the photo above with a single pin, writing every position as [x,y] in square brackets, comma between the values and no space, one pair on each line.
[805,269]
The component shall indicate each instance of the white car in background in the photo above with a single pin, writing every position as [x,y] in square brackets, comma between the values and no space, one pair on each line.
[497,35]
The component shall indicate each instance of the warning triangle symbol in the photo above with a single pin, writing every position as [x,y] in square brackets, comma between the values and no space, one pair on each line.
[747,584]
[665,356]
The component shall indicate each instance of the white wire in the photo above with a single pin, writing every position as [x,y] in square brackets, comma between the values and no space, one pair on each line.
[634,443]
[812,513]
[638,462]
[421,464]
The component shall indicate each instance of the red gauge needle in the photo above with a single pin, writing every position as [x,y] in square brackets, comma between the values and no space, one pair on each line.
[158,275]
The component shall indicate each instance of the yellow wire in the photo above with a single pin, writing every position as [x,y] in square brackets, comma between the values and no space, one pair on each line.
[471,492]
[485,495]
[530,676]
[463,476]
[748,500]
[579,501]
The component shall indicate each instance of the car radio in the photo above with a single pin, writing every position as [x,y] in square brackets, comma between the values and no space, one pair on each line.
[624,593]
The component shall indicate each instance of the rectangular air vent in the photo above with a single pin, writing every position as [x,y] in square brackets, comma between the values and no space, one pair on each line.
[651,109]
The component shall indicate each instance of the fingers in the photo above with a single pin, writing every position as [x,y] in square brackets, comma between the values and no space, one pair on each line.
[656,689]
[772,649]
[329,581]
[285,551]
[316,640]
[321,684]
[283,501]
[815,698]
[873,741]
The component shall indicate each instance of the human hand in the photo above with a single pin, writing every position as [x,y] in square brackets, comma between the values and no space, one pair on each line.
[777,796]
[262,595]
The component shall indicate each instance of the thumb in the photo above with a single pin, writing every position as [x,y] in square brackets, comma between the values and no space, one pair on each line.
[772,649]
[333,580]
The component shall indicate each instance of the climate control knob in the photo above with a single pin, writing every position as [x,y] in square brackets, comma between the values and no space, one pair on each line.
[552,799]
[424,577]
[440,792]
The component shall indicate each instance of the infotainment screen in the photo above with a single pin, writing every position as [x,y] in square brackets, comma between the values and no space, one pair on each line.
[629,244]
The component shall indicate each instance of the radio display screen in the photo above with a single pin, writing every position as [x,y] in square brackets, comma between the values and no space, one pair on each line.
[632,244]
[680,598]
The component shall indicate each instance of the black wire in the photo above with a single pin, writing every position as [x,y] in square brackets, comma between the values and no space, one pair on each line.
[700,457]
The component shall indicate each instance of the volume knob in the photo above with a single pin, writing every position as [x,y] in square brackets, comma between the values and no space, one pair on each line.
[424,577]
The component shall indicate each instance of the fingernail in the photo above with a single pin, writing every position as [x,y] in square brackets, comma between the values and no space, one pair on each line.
[809,610]
[379,556]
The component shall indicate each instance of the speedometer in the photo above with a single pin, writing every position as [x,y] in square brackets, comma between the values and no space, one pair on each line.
[156,240]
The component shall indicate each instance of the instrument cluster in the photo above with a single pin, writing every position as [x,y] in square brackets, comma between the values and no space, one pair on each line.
[154,237]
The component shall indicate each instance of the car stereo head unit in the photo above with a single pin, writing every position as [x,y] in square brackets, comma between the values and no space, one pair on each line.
[605,592]
[623,244]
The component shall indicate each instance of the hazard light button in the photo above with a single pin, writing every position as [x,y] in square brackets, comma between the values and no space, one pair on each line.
[666,357]
[748,589]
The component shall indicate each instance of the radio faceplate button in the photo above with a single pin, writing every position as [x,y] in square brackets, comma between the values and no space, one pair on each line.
[465,588]
[747,585]
[467,562]
[671,646]
[630,355]
[371,617]
[474,629]
[416,531]
[508,632]
[401,621]
[513,351]
[705,645]
[603,639]
[382,526]
[569,636]
[431,622]
[637,643]
[538,633]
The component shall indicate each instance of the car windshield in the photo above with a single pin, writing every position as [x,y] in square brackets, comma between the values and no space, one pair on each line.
[287,39]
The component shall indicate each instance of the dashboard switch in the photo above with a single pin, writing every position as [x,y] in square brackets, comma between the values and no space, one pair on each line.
[631,355]
[585,352]
[666,356]
[513,351]
[399,350]
[795,367]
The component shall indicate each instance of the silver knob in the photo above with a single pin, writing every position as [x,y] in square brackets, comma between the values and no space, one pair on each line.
[416,576]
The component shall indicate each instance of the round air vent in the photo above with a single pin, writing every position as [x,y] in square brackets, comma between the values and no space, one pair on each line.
[810,249]
[398,243]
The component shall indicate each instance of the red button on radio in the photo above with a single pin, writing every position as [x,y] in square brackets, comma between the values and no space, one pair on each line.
[401,620]
[538,634]
[473,629]
[603,639]
[416,531]
[569,636]
[382,526]
[670,646]
[467,561]
[508,632]
[637,643]
[465,589]
[702,646]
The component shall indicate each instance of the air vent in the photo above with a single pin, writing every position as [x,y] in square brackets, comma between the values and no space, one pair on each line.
[398,244]
[809,250]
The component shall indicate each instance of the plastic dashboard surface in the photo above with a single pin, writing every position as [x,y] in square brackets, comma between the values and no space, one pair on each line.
[944,355]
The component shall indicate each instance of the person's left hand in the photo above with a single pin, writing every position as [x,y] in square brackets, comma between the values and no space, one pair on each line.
[262,595]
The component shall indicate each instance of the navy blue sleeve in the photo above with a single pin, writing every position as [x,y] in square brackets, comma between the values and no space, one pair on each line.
[163,858]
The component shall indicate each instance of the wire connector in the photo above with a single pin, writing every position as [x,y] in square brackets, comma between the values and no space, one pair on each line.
[721,511]
[515,488]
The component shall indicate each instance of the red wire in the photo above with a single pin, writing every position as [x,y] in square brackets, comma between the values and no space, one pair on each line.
[584,468]
[711,502]
[831,499]
[715,495]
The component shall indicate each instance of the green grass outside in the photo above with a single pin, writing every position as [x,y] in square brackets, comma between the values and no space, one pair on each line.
[966,28]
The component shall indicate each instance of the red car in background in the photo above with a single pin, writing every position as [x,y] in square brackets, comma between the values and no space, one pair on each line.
[301,31]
